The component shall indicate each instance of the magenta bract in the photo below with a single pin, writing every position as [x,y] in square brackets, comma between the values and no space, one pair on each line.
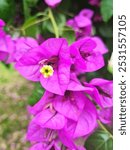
[82,23]
[53,52]
[52,3]
[103,92]
[86,56]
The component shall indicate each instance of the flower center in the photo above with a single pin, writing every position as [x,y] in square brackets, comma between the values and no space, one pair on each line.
[47,71]
[84,54]
[69,95]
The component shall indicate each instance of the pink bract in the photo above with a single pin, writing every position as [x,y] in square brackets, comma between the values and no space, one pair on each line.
[105,115]
[94,2]
[72,116]
[52,3]
[54,52]
[103,92]
[23,45]
[82,23]
[86,55]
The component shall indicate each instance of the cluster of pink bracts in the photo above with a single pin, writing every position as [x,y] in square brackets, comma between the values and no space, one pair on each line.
[69,110]
[54,3]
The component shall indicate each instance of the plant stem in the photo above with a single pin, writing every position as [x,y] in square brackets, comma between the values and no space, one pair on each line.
[34,23]
[104,128]
[54,24]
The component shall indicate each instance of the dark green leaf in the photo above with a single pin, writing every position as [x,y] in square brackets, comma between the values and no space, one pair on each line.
[32,31]
[26,9]
[30,28]
[29,21]
[106,9]
[7,10]
[32,3]
[106,30]
[65,5]
[69,34]
[100,140]
[37,93]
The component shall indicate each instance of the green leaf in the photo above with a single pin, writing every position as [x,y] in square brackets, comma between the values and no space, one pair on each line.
[30,28]
[26,9]
[110,69]
[32,3]
[37,93]
[60,20]
[27,5]
[106,30]
[6,11]
[100,140]
[65,5]
[106,9]
[32,31]
[29,21]
[69,34]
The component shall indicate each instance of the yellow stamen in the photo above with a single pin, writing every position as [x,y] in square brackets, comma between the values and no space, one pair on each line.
[47,71]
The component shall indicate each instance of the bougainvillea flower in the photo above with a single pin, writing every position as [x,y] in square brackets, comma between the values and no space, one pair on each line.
[85,124]
[73,95]
[100,46]
[42,146]
[2,24]
[69,141]
[3,50]
[105,115]
[35,133]
[6,47]
[78,111]
[94,2]
[52,3]
[82,23]
[49,63]
[6,43]
[97,17]
[45,138]
[44,128]
[23,45]
[50,119]
[103,93]
[38,146]
[86,57]
[71,105]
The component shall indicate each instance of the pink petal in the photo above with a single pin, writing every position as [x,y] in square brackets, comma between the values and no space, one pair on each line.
[82,21]
[2,23]
[35,132]
[48,119]
[53,46]
[40,105]
[52,3]
[28,65]
[87,121]
[70,108]
[23,45]
[94,62]
[86,13]
[101,47]
[53,84]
